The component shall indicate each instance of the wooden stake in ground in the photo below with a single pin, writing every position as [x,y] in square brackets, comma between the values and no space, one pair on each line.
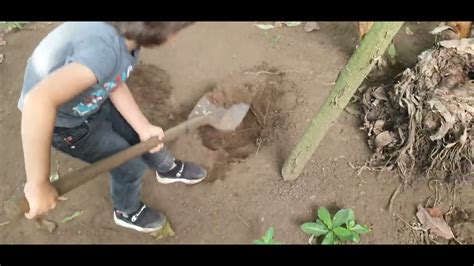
[360,64]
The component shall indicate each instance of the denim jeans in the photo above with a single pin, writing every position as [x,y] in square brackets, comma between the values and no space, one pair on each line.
[106,133]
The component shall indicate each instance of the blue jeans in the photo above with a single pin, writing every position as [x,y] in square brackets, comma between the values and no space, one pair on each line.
[106,133]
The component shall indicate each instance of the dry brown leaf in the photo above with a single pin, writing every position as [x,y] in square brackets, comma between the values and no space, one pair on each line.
[378,126]
[2,57]
[435,212]
[46,225]
[422,216]
[408,31]
[311,26]
[383,139]
[2,41]
[380,94]
[166,231]
[437,225]
[448,122]
[463,45]
[440,29]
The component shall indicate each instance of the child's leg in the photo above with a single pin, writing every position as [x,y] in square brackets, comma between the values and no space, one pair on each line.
[96,140]
[168,170]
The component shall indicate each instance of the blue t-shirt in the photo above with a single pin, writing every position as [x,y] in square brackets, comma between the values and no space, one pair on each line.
[96,45]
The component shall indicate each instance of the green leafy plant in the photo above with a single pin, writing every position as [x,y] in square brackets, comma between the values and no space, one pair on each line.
[267,239]
[12,25]
[342,227]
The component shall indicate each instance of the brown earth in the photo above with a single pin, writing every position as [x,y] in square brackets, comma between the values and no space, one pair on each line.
[285,74]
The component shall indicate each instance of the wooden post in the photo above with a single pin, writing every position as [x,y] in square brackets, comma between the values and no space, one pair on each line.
[371,48]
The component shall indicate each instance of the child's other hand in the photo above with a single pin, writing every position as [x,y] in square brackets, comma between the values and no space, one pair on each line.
[42,197]
[152,131]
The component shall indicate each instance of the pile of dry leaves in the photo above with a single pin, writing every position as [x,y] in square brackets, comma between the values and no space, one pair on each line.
[424,122]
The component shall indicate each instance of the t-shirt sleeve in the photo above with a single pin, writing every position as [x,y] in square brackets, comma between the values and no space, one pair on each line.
[98,54]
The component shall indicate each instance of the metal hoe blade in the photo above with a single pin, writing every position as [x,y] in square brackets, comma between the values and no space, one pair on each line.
[223,119]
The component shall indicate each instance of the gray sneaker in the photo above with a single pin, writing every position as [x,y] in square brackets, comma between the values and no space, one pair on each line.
[144,220]
[184,172]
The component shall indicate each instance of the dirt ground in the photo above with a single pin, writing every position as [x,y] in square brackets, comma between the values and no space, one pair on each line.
[244,194]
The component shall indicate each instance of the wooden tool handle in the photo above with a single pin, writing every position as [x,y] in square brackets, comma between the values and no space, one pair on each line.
[79,177]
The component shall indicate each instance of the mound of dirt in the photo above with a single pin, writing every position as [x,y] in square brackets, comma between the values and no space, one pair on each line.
[424,122]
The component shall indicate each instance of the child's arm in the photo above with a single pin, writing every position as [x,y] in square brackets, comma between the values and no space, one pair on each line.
[123,100]
[37,123]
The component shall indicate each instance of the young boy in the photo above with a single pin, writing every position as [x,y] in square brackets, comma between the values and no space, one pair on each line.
[74,98]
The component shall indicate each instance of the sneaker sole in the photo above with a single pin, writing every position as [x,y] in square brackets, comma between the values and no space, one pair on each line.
[164,180]
[137,228]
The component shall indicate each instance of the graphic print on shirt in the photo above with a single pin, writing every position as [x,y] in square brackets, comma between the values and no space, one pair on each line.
[94,100]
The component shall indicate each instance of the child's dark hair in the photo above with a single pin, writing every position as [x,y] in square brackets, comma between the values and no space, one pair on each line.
[147,33]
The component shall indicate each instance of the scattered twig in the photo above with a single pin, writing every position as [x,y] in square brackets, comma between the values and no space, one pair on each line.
[381,169]
[362,168]
[266,112]
[415,229]
[437,198]
[453,202]
[459,242]
[242,219]
[392,198]
[282,112]
[4,223]
[259,142]
[185,203]
[62,198]
[426,237]
[246,129]
[436,192]
[271,73]
[256,116]
[428,201]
